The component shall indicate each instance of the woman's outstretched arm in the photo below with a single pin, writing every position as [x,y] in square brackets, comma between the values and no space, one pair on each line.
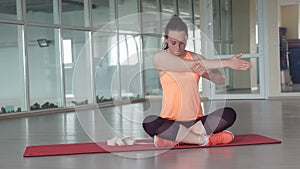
[215,75]
[167,62]
[234,63]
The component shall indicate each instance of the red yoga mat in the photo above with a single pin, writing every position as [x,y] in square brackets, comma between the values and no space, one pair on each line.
[102,147]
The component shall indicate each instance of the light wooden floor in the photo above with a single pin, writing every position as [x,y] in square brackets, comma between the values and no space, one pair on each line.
[279,119]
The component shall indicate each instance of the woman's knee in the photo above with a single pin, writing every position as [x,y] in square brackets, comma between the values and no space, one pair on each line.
[150,118]
[229,114]
[150,124]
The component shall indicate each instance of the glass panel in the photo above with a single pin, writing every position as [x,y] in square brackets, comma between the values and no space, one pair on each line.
[75,46]
[75,13]
[44,68]
[241,82]
[40,11]
[196,7]
[129,77]
[151,44]
[12,96]
[130,69]
[185,13]
[127,7]
[150,5]
[11,9]
[168,7]
[129,20]
[151,23]
[103,12]
[105,51]
[108,79]
[235,26]
[185,10]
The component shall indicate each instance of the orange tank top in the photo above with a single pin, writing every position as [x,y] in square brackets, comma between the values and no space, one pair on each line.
[181,99]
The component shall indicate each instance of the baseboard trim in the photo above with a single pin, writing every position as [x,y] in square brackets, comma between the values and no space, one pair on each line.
[283,97]
[69,109]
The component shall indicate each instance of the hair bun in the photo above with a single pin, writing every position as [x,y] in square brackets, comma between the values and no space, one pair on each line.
[176,23]
[175,18]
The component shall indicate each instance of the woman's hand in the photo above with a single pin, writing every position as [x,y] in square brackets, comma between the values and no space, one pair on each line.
[213,75]
[199,68]
[238,64]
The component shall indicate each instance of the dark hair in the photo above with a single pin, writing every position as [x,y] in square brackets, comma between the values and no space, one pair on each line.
[175,24]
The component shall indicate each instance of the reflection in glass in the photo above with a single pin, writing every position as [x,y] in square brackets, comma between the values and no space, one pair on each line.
[196,14]
[127,7]
[168,7]
[152,44]
[103,12]
[111,71]
[73,47]
[40,11]
[150,6]
[11,9]
[235,26]
[44,69]
[104,55]
[130,66]
[129,21]
[185,10]
[75,13]
[12,95]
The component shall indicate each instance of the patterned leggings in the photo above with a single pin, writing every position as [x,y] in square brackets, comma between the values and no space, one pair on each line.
[214,122]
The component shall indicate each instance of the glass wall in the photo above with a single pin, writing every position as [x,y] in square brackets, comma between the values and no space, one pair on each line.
[169,7]
[75,13]
[41,11]
[150,6]
[103,12]
[12,86]
[11,10]
[237,30]
[44,68]
[186,10]
[64,53]
[74,42]
[104,56]
[235,26]
[152,45]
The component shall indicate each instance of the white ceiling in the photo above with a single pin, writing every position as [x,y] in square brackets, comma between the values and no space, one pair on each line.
[289,2]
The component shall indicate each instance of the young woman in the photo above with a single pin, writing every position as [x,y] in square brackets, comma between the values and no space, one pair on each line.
[181,119]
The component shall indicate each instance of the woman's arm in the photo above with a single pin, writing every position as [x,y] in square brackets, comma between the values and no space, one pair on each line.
[234,63]
[210,68]
[214,75]
[167,62]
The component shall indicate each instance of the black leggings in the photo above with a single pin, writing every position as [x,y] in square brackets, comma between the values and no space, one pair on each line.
[214,122]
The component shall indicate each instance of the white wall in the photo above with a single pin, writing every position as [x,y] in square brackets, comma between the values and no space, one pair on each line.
[290,19]
[271,15]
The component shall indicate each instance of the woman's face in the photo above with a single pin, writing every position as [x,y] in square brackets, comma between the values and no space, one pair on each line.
[177,42]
